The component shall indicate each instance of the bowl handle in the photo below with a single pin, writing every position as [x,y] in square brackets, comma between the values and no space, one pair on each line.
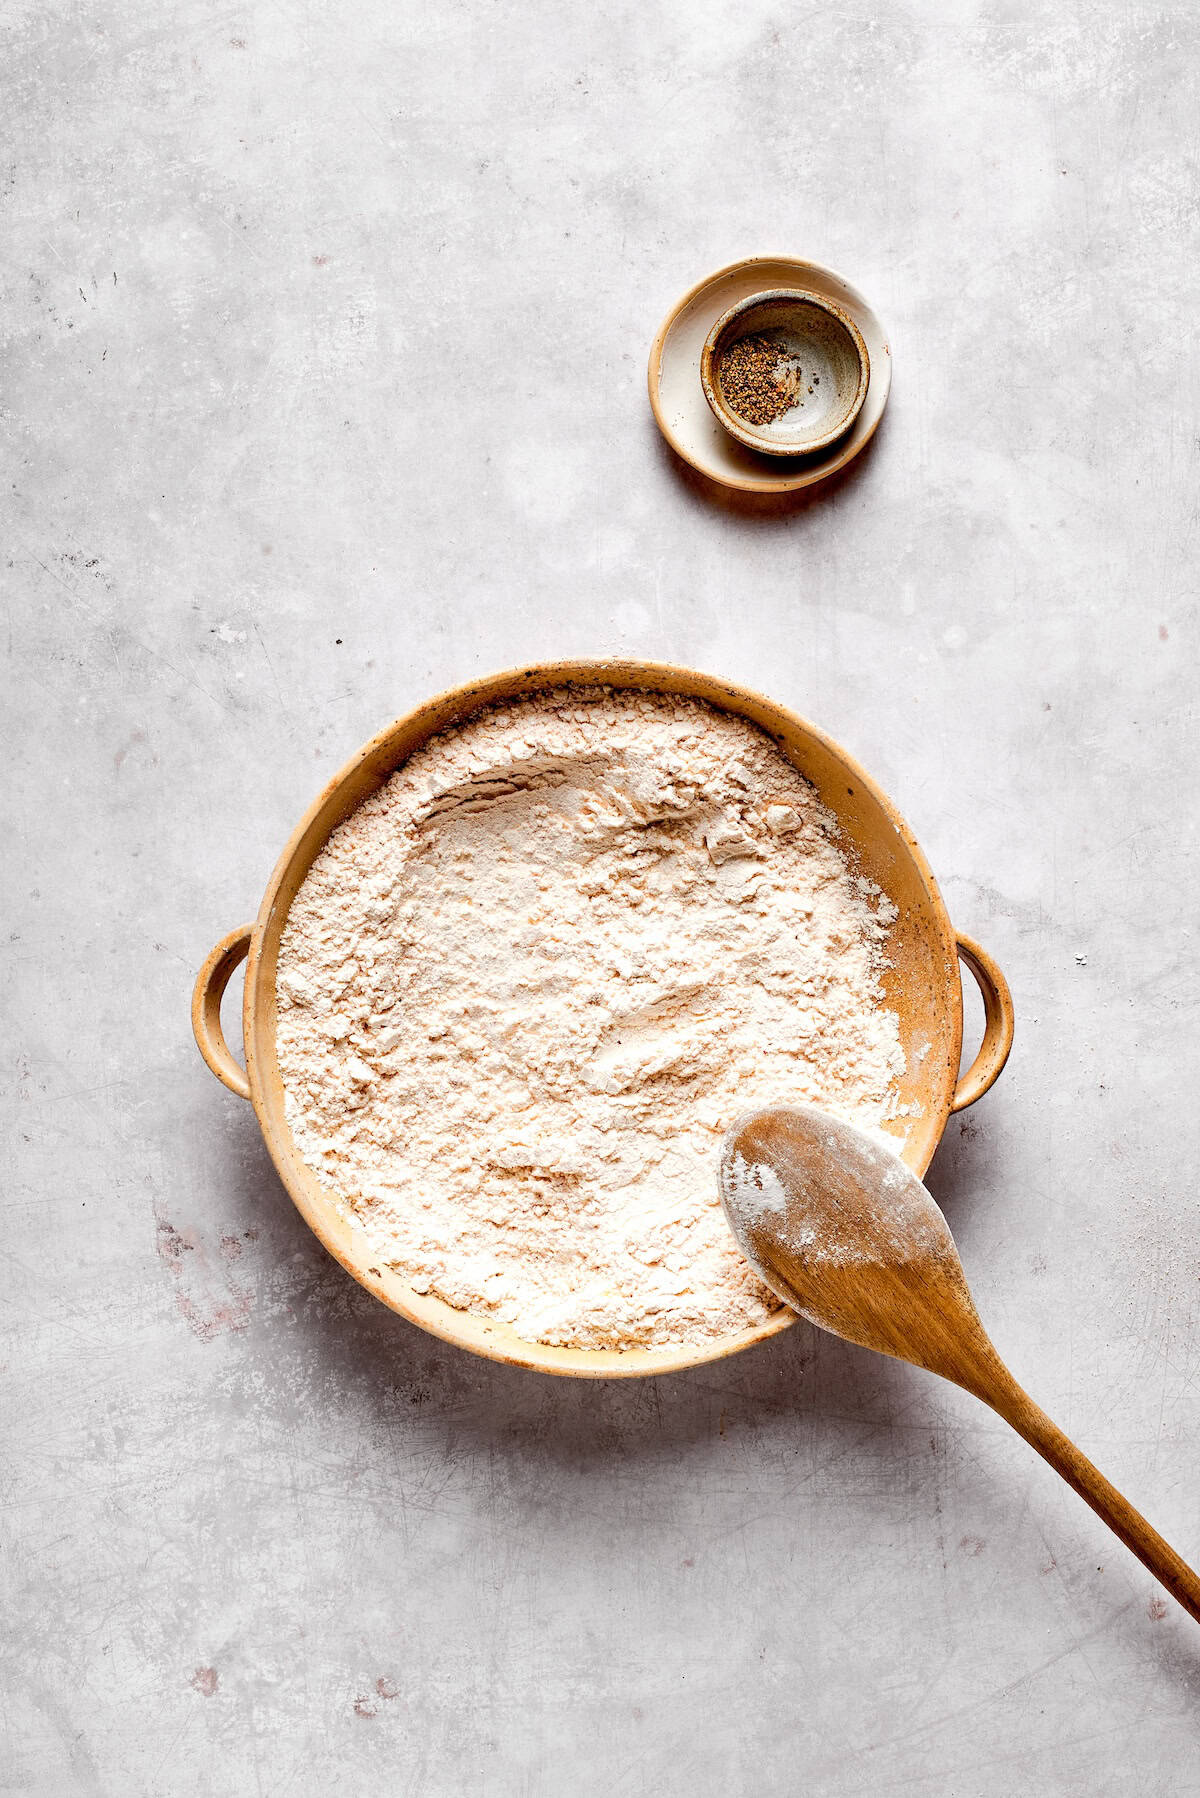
[211,982]
[984,1071]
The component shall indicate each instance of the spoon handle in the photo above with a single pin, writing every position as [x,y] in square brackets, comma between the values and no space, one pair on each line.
[999,1390]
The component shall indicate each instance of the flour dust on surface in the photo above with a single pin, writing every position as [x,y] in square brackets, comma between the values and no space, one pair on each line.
[528,984]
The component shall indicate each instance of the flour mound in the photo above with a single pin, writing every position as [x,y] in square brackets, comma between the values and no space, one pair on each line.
[529,983]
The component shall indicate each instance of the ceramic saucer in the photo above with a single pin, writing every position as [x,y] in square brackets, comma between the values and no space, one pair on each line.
[677,397]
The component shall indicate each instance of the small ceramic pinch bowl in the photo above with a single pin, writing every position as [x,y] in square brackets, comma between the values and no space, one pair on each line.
[821,353]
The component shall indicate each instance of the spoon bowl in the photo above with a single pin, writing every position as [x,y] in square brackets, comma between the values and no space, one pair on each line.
[846,1234]
[843,1232]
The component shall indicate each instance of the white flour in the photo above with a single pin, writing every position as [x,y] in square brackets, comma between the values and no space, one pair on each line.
[528,984]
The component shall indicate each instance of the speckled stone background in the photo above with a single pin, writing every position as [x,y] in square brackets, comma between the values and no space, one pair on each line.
[326,333]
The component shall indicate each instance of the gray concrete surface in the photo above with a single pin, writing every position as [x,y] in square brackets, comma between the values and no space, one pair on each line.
[326,332]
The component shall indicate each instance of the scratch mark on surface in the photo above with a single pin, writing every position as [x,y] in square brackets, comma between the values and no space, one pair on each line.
[1004,1691]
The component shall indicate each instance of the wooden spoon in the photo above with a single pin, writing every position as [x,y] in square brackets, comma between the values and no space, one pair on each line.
[844,1232]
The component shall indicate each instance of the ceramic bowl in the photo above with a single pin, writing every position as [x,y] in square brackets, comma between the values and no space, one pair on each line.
[824,347]
[921,985]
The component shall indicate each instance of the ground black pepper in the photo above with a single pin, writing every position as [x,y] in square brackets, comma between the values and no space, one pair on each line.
[759,379]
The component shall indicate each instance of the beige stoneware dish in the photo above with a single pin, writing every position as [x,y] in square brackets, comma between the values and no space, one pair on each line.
[922,986]
[677,397]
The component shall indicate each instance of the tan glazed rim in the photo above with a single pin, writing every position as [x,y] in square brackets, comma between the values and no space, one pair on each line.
[922,985]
